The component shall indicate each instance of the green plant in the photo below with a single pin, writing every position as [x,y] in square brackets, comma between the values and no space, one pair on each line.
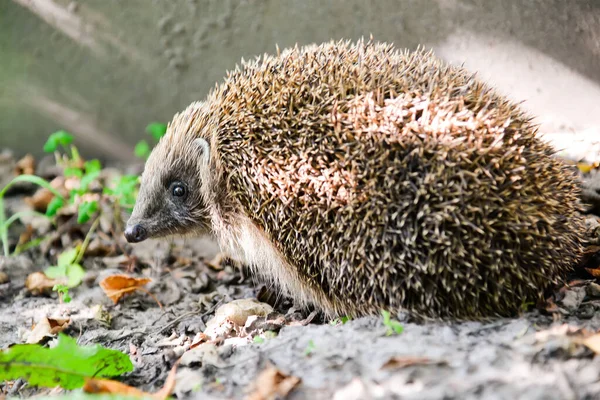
[58,139]
[63,293]
[125,191]
[258,339]
[67,267]
[393,326]
[340,321]
[5,223]
[156,130]
[66,365]
[310,347]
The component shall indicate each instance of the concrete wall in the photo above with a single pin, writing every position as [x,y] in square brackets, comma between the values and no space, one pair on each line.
[103,69]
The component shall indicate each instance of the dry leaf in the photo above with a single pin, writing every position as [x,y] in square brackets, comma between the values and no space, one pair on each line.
[587,167]
[115,387]
[273,384]
[25,166]
[38,283]
[26,236]
[217,262]
[40,199]
[407,361]
[47,327]
[593,343]
[116,286]
[594,272]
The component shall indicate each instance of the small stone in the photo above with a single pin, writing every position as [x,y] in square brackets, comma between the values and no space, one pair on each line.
[593,290]
[4,278]
[573,298]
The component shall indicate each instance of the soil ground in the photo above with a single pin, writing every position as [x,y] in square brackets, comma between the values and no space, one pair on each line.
[538,355]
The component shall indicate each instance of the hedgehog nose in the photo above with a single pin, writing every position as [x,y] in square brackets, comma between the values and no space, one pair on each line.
[135,233]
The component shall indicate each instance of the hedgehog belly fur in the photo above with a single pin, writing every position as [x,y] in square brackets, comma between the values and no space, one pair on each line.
[246,244]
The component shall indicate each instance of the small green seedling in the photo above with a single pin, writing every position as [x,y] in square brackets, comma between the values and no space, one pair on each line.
[63,293]
[86,210]
[125,191]
[66,365]
[340,321]
[392,325]
[310,347]
[154,129]
[67,267]
[258,340]
[58,139]
[142,150]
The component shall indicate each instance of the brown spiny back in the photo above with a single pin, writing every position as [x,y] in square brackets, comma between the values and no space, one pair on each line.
[391,179]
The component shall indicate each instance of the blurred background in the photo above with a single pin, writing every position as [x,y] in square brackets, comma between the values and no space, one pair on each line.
[104,69]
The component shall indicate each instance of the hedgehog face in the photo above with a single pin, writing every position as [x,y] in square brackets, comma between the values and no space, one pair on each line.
[172,198]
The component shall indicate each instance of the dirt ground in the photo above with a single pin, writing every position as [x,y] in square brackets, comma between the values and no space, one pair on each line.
[539,355]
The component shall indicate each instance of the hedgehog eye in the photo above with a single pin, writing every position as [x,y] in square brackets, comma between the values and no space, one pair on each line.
[178,189]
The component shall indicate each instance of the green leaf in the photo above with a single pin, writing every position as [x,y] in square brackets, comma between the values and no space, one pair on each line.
[66,365]
[86,210]
[55,204]
[56,271]
[92,166]
[75,273]
[392,325]
[59,138]
[142,149]
[88,178]
[157,130]
[310,347]
[63,291]
[72,172]
[67,268]
[67,257]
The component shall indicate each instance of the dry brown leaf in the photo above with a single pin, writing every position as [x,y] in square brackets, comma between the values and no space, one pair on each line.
[594,272]
[407,361]
[592,343]
[217,262]
[47,327]
[273,384]
[26,236]
[116,286]
[115,387]
[38,283]
[25,166]
[40,199]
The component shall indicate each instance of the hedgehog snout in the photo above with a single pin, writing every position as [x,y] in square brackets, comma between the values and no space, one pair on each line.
[136,233]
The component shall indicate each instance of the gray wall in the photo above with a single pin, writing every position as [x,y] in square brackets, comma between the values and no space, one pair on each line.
[103,69]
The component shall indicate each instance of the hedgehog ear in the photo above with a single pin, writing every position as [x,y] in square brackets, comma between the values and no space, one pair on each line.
[204,148]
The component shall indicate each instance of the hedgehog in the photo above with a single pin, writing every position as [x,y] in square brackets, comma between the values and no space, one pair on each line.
[356,177]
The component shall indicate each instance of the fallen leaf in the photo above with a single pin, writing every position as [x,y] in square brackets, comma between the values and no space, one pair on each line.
[217,262]
[407,361]
[116,286]
[25,166]
[594,272]
[26,236]
[592,343]
[38,283]
[234,315]
[587,167]
[114,387]
[40,199]
[273,384]
[47,327]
